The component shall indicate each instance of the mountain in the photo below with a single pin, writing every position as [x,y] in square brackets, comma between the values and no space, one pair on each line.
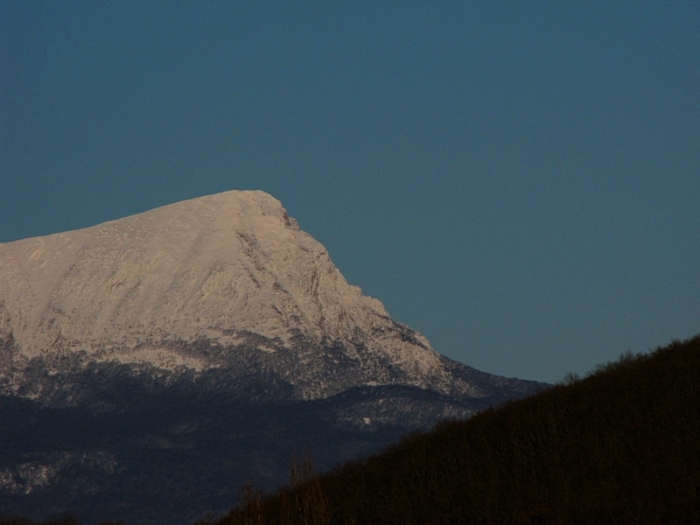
[200,344]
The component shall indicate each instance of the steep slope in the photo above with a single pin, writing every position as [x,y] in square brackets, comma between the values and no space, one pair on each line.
[199,345]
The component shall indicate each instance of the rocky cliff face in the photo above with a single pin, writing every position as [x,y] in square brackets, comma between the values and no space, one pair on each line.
[203,340]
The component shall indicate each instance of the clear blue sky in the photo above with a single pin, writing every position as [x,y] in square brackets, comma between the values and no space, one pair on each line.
[520,181]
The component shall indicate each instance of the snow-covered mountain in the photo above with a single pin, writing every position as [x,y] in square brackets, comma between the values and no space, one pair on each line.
[220,301]
[225,271]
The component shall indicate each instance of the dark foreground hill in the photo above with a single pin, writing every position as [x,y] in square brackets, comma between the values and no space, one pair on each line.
[620,446]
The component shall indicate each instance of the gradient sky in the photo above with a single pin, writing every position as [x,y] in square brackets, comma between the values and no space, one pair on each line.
[519,181]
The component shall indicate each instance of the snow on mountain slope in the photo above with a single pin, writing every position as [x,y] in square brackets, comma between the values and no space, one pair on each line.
[220,269]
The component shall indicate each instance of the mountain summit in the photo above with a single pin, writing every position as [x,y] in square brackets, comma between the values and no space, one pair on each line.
[225,271]
[184,350]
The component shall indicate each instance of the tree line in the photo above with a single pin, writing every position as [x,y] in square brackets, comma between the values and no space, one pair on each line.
[621,445]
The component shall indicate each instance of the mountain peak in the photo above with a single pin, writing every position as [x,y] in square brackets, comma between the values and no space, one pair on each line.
[217,268]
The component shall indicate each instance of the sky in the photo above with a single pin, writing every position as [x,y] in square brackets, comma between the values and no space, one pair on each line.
[518,181]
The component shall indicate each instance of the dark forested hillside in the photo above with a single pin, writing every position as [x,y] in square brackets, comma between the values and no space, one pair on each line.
[620,446]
